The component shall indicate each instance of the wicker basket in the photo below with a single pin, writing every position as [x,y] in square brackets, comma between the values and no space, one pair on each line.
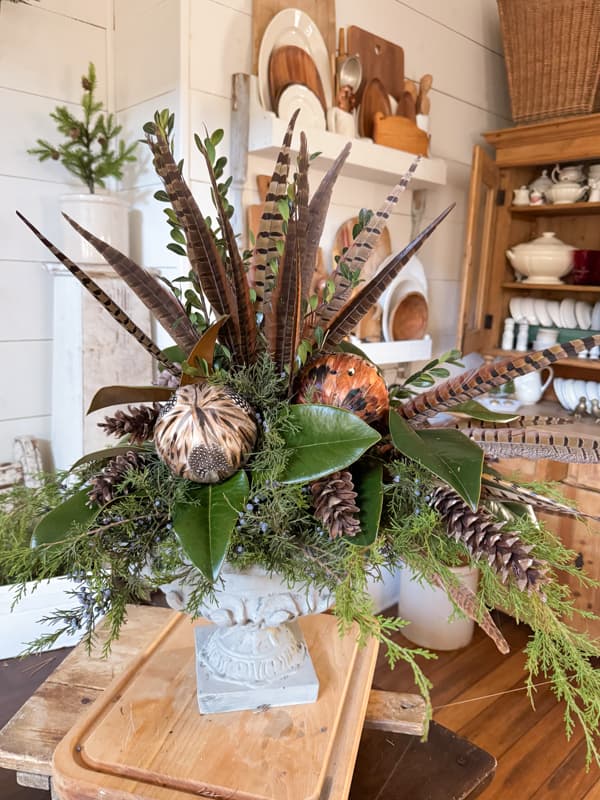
[552,50]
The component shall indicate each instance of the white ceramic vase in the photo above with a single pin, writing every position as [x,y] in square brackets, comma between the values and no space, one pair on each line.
[254,652]
[104,215]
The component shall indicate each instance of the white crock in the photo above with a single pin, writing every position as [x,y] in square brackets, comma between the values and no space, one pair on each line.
[543,260]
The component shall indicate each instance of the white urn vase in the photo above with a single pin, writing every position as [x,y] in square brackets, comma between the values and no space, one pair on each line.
[254,653]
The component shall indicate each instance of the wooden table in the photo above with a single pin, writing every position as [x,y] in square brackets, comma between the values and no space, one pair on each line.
[28,741]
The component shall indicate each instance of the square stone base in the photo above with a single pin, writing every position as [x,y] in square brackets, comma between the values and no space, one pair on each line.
[216,696]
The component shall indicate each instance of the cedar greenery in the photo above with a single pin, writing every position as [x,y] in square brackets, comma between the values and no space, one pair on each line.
[91,150]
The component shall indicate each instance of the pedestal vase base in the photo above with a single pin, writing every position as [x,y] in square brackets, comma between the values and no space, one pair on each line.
[266,679]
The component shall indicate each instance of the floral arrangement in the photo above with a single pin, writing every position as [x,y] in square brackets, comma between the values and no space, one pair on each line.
[269,440]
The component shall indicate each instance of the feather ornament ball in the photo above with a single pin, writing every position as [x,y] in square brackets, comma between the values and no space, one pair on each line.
[346,381]
[205,433]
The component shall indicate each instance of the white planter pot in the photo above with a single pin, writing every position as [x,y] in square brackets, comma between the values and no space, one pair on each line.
[21,626]
[432,617]
[105,216]
[254,653]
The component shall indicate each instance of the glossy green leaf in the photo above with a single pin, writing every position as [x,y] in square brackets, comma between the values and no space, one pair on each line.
[106,453]
[174,353]
[368,483]
[444,451]
[115,395]
[204,526]
[58,523]
[475,410]
[325,440]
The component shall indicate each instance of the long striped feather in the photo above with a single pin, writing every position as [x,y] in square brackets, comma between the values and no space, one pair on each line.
[302,211]
[535,443]
[158,300]
[271,223]
[473,383]
[361,249]
[245,308]
[100,295]
[521,422]
[205,260]
[317,210]
[501,489]
[350,315]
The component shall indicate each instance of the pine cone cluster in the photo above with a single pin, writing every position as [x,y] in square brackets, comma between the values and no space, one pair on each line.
[137,422]
[333,500]
[484,539]
[113,481]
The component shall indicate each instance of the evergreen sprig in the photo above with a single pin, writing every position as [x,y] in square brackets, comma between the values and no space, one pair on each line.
[91,150]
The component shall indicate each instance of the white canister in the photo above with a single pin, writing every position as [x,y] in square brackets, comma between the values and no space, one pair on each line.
[529,388]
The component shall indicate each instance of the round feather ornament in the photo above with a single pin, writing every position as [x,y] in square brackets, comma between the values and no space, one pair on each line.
[205,433]
[346,381]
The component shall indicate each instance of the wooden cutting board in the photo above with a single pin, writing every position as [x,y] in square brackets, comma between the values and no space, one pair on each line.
[374,100]
[145,739]
[289,65]
[380,59]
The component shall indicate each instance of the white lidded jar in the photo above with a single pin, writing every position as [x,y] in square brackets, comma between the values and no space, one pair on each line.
[543,260]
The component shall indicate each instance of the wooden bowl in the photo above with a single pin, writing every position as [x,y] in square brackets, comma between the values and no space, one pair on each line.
[409,318]
[290,64]
[400,133]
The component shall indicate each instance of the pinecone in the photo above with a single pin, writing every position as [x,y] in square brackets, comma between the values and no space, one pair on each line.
[138,423]
[112,481]
[333,499]
[484,538]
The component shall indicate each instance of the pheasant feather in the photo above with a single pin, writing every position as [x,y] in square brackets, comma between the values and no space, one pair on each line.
[503,490]
[158,300]
[534,444]
[271,223]
[350,315]
[522,422]
[100,295]
[472,384]
[361,249]
[202,251]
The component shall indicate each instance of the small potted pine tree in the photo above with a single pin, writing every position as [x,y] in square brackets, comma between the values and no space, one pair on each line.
[92,151]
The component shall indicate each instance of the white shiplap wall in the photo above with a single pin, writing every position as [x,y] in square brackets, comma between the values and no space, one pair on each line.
[181,54]
[44,49]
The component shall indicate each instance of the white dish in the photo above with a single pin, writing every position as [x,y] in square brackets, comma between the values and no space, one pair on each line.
[580,389]
[583,314]
[515,308]
[528,310]
[293,27]
[596,317]
[553,307]
[570,393]
[567,313]
[311,111]
[541,311]
[591,389]
[412,270]
[558,391]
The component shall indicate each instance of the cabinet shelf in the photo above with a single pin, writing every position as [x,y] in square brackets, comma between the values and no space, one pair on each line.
[580,363]
[550,287]
[556,210]
[259,132]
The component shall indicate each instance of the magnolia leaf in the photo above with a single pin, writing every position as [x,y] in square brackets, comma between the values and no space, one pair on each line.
[324,439]
[204,349]
[472,408]
[58,523]
[174,353]
[115,395]
[108,452]
[367,477]
[204,527]
[444,451]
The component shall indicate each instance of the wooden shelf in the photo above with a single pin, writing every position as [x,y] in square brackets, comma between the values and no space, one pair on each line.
[260,132]
[550,287]
[580,363]
[556,210]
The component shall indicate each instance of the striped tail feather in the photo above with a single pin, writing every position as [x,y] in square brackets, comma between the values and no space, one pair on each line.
[361,249]
[100,295]
[537,421]
[348,317]
[202,252]
[158,300]
[472,384]
[500,489]
[271,223]
[535,443]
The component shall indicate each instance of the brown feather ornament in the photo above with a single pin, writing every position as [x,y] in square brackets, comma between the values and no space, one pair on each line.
[205,433]
[344,380]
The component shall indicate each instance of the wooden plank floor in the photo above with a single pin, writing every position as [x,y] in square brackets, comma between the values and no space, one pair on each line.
[534,758]
[477,693]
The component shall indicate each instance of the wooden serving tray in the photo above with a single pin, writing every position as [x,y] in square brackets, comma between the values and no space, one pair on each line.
[144,739]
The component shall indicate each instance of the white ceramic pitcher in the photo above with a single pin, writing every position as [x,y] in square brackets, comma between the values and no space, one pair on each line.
[529,388]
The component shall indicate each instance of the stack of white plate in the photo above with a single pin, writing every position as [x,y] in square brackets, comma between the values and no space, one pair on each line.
[569,391]
[566,313]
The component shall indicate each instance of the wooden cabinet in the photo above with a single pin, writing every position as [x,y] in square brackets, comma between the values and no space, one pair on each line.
[494,225]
